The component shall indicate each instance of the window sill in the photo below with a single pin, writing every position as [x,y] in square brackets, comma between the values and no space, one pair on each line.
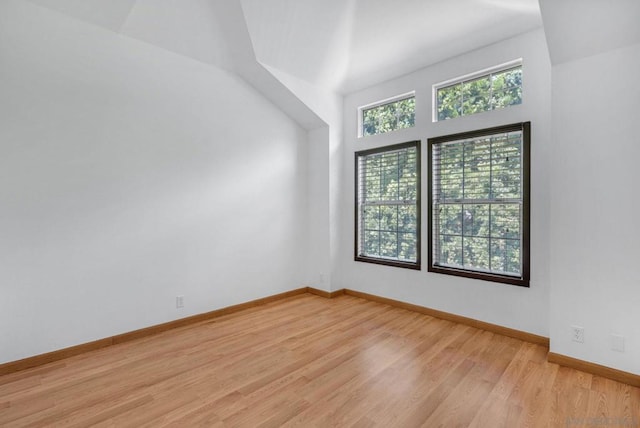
[385,262]
[504,279]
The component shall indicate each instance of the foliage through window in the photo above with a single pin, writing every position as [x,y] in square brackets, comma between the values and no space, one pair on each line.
[486,92]
[388,205]
[389,116]
[479,204]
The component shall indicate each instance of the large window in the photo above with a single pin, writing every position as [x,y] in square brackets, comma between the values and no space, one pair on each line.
[388,115]
[479,204]
[486,90]
[388,205]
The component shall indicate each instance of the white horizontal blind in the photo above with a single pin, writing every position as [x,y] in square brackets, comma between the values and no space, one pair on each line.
[388,208]
[477,204]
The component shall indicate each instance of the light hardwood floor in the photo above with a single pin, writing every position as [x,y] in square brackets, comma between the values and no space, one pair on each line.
[310,361]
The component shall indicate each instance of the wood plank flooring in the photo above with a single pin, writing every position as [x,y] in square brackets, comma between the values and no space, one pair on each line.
[310,361]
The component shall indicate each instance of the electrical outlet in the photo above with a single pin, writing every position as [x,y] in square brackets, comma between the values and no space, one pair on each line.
[179,301]
[577,334]
[617,342]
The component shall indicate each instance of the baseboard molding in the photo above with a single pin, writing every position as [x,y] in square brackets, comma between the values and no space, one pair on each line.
[326,294]
[49,357]
[595,369]
[494,328]
[585,366]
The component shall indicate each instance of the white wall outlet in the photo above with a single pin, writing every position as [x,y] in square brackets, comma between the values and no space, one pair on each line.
[617,342]
[577,334]
[179,301]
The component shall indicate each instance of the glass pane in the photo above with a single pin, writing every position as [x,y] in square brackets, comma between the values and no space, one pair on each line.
[407,188]
[506,167]
[477,169]
[451,167]
[405,111]
[512,78]
[386,118]
[450,250]
[475,220]
[505,256]
[498,255]
[513,257]
[372,178]
[505,98]
[371,243]
[507,79]
[388,244]
[498,82]
[451,219]
[369,122]
[450,102]
[407,246]
[505,221]
[389,218]
[407,218]
[390,177]
[370,218]
[476,95]
[389,117]
[476,253]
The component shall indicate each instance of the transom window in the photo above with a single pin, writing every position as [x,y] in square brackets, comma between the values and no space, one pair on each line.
[388,205]
[486,90]
[388,115]
[479,204]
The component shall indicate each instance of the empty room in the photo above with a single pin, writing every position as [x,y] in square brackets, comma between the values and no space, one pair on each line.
[315,213]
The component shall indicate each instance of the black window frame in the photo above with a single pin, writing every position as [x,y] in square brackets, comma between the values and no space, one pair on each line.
[381,260]
[524,279]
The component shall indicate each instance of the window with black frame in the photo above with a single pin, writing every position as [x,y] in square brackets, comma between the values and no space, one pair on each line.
[479,204]
[387,205]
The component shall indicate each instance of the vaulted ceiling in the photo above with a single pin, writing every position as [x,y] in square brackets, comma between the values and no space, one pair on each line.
[342,45]
[300,53]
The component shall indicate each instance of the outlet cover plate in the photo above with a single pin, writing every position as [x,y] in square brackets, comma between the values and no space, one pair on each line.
[577,333]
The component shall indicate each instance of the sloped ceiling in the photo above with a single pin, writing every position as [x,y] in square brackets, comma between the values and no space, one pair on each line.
[309,39]
[190,28]
[340,45]
[392,38]
[109,14]
[351,44]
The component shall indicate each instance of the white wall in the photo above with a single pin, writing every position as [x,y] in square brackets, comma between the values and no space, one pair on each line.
[318,252]
[324,182]
[130,175]
[516,307]
[595,227]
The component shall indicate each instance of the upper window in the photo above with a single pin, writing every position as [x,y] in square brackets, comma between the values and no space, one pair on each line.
[388,205]
[388,115]
[486,90]
[479,204]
